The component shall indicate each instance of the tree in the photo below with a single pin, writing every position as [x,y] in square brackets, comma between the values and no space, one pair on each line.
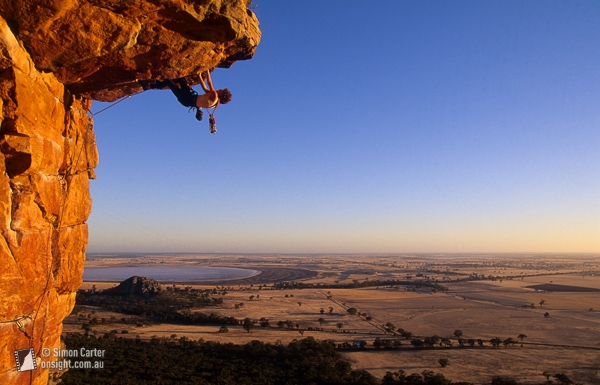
[321,321]
[223,329]
[299,303]
[248,324]
[504,381]
[458,333]
[496,342]
[546,314]
[330,310]
[389,327]
[563,379]
[264,322]
[340,325]
[377,343]
[444,362]
[433,340]
[87,328]
[322,310]
[405,334]
[521,337]
[352,311]
[542,302]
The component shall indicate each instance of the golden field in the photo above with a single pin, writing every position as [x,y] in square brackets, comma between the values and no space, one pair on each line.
[566,339]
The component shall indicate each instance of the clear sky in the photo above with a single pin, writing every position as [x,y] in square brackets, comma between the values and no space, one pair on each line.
[385,126]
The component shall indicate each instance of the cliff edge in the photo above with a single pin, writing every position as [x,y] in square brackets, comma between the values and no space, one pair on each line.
[55,57]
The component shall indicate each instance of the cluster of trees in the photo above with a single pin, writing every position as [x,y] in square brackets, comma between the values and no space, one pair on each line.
[433,341]
[387,343]
[430,378]
[427,377]
[430,342]
[289,324]
[170,361]
[356,284]
[172,305]
[172,297]
[560,378]
[166,361]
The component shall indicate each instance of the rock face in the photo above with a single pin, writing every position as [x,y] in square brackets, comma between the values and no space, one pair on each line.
[135,286]
[55,56]
[106,49]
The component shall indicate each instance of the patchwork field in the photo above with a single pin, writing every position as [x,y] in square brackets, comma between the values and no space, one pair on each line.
[551,302]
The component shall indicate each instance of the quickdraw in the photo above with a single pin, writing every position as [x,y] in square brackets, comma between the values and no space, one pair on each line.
[212,123]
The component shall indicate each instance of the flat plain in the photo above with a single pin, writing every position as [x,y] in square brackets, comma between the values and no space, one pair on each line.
[552,302]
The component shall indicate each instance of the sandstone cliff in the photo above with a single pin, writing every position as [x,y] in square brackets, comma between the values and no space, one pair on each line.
[55,56]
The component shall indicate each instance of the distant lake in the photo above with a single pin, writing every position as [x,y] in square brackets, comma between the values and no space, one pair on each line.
[166,273]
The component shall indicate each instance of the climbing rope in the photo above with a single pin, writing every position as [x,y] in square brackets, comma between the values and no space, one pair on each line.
[112,105]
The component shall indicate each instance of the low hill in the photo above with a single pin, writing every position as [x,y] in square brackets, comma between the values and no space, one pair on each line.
[135,285]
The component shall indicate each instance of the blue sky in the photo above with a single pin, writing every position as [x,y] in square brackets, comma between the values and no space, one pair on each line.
[390,126]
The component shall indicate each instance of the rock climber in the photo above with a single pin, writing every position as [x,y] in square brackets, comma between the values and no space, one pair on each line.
[189,98]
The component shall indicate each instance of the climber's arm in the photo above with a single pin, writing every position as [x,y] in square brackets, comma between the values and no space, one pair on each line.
[203,85]
[209,80]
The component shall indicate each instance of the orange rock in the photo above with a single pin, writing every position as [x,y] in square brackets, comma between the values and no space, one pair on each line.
[46,153]
[55,56]
[107,52]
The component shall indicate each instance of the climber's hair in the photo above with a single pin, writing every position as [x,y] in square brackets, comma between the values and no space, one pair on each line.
[224,96]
